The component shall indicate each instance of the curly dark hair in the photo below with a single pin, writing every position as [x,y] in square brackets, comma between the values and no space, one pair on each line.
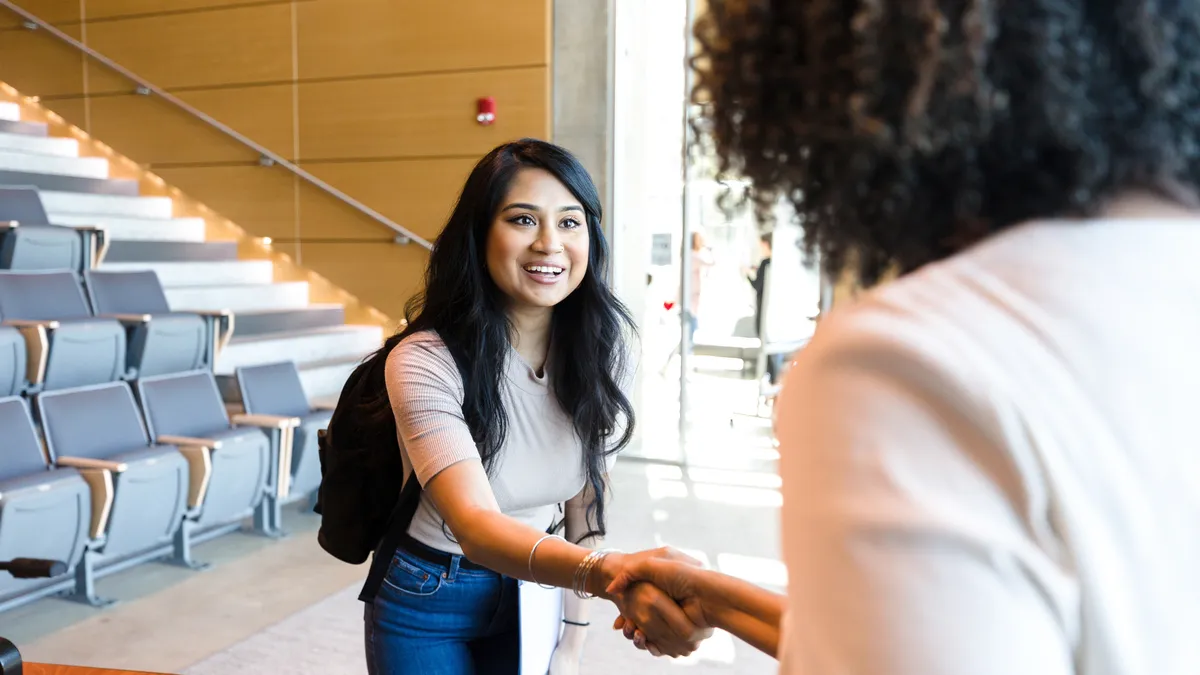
[902,131]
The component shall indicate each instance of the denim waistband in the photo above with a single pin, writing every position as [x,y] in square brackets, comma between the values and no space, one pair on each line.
[430,554]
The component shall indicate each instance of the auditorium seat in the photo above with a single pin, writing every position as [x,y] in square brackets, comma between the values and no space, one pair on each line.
[72,348]
[29,242]
[275,390]
[44,513]
[160,341]
[141,486]
[230,467]
[13,362]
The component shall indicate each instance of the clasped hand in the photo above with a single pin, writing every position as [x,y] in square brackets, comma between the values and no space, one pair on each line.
[659,609]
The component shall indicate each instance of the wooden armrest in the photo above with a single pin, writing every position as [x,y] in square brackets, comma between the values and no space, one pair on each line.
[210,312]
[86,228]
[9,224]
[267,421]
[37,341]
[31,323]
[100,485]
[190,441]
[87,463]
[198,453]
[129,318]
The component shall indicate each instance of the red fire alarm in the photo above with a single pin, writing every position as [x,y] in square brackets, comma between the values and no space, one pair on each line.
[487,111]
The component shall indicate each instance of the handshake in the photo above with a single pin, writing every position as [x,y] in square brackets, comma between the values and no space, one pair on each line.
[662,596]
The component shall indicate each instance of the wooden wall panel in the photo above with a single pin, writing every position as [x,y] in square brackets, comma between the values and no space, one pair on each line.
[420,116]
[152,131]
[200,49]
[418,195]
[52,11]
[259,199]
[39,64]
[379,95]
[352,38]
[107,9]
[383,275]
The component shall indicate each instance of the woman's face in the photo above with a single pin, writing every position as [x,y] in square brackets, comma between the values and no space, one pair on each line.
[537,247]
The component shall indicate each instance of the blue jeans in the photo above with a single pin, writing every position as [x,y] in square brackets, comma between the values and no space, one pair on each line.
[442,619]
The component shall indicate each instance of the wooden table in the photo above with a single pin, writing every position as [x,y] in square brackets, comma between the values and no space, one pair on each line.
[51,669]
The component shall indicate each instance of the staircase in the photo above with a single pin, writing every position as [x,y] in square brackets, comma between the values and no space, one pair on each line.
[274,320]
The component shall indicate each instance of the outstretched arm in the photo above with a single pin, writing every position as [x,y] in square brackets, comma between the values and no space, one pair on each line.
[425,391]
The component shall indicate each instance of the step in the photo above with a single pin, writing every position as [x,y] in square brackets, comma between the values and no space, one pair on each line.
[40,145]
[125,206]
[25,128]
[157,230]
[325,379]
[124,250]
[10,111]
[239,298]
[80,167]
[50,182]
[248,324]
[322,381]
[321,344]
[206,273]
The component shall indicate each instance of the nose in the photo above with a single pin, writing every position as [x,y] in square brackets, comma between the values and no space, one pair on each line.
[548,241]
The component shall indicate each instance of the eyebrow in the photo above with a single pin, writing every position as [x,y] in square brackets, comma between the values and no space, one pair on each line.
[531,207]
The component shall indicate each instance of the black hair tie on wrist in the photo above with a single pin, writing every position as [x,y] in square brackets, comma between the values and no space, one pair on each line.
[576,623]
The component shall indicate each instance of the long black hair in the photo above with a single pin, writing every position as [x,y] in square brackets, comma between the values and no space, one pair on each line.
[591,330]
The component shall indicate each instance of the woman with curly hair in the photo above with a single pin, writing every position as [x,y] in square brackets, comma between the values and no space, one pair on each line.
[990,463]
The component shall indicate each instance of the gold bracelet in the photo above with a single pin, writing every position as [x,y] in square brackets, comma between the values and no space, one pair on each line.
[584,571]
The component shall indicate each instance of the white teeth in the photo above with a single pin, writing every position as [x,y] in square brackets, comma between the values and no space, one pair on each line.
[544,269]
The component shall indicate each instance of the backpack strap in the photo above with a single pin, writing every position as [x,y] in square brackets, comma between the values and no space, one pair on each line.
[398,522]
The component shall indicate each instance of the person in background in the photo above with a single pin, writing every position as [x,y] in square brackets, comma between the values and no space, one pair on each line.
[757,276]
[701,261]
[508,388]
[990,464]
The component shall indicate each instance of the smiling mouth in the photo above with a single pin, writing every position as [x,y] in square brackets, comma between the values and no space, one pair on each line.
[544,274]
[552,270]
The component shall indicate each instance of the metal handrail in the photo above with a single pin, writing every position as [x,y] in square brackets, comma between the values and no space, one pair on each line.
[268,158]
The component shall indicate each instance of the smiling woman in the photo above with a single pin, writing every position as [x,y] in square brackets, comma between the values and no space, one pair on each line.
[508,389]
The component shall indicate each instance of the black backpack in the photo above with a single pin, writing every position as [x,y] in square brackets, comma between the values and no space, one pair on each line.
[362,506]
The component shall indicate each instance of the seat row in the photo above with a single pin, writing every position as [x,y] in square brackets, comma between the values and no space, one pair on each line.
[58,330]
[28,241]
[110,475]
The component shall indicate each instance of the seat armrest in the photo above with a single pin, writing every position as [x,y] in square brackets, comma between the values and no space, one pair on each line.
[8,224]
[88,463]
[198,453]
[136,319]
[190,441]
[96,241]
[220,330]
[31,323]
[324,406]
[281,430]
[37,347]
[266,421]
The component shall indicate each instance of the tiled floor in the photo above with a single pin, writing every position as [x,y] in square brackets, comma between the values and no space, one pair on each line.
[724,511]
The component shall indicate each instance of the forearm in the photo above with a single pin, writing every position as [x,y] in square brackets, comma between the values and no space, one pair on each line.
[749,612]
[577,610]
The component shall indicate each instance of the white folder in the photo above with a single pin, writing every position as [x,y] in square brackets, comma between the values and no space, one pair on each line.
[541,612]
